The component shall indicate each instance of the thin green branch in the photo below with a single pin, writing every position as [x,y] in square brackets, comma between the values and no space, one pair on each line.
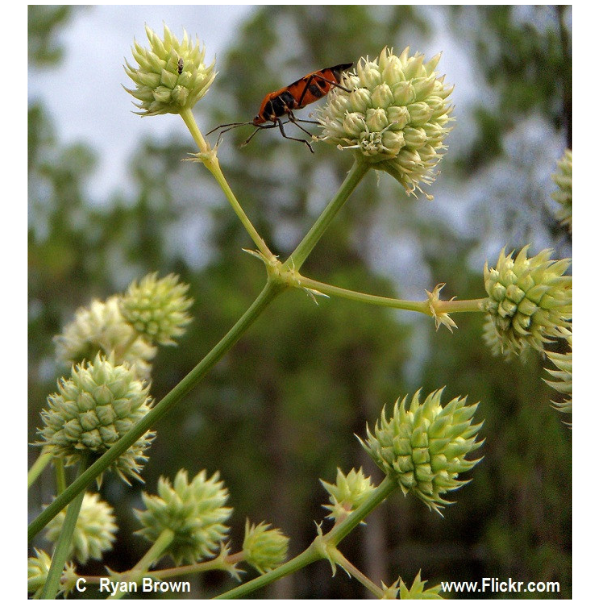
[38,466]
[209,158]
[332,290]
[310,555]
[155,552]
[423,306]
[305,247]
[320,547]
[63,544]
[61,478]
[353,571]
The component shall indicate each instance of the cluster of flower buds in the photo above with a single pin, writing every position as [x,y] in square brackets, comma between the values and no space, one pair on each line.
[423,445]
[170,76]
[396,116]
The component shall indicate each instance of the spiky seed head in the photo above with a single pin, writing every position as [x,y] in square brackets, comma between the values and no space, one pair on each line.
[562,378]
[416,591]
[529,301]
[264,547]
[396,116]
[563,177]
[347,493]
[423,445]
[94,532]
[95,408]
[170,76]
[194,511]
[100,327]
[37,573]
[157,308]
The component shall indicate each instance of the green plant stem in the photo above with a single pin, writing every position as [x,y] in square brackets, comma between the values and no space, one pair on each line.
[269,292]
[122,350]
[342,529]
[321,546]
[353,571]
[423,306]
[220,563]
[37,468]
[156,551]
[306,246]
[61,551]
[310,555]
[61,479]
[211,162]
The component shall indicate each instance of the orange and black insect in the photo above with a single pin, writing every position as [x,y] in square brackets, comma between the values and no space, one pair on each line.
[283,102]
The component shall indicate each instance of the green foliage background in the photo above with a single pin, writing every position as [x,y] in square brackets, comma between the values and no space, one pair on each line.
[281,410]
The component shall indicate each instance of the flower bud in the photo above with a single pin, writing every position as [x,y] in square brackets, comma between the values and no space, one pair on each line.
[423,446]
[156,308]
[563,376]
[95,408]
[194,512]
[563,177]
[347,493]
[94,531]
[101,328]
[417,590]
[37,573]
[393,93]
[529,301]
[171,76]
[264,548]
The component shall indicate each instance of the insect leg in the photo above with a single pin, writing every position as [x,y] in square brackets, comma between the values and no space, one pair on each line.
[258,127]
[288,137]
[292,119]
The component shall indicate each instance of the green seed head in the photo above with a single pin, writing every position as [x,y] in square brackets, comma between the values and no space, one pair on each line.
[195,512]
[562,378]
[529,301]
[37,573]
[94,531]
[347,493]
[264,548]
[95,408]
[157,308]
[101,328]
[423,445]
[170,76]
[396,116]
[416,591]
[563,177]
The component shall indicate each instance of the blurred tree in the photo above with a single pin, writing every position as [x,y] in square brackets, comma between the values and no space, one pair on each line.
[43,24]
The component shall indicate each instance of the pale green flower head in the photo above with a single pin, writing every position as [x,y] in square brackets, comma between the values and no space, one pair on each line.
[347,493]
[194,511]
[395,118]
[264,548]
[100,327]
[94,532]
[157,308]
[170,76]
[423,445]
[416,591]
[530,301]
[95,408]
[37,573]
[563,177]
[562,378]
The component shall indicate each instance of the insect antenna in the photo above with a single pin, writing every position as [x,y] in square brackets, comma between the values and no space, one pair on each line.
[230,126]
